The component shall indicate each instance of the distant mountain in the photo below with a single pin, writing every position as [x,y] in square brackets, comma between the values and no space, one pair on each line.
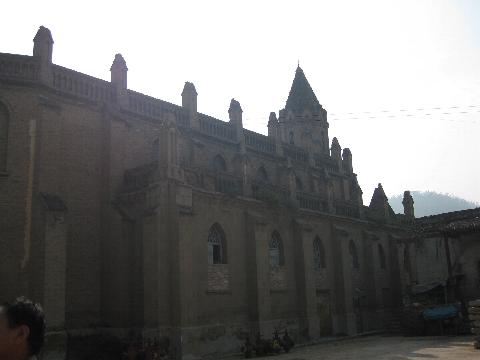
[432,203]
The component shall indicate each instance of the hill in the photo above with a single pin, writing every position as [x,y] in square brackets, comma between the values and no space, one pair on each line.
[432,203]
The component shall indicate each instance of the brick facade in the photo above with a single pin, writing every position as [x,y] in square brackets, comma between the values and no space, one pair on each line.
[141,183]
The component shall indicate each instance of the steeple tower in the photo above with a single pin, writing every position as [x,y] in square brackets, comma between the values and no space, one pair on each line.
[301,97]
[303,121]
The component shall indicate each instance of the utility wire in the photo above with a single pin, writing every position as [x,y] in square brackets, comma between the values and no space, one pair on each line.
[441,112]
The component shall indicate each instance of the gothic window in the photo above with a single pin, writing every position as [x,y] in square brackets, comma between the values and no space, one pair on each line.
[3,137]
[381,256]
[216,246]
[262,175]
[275,250]
[318,254]
[219,163]
[352,248]
[299,184]
[290,138]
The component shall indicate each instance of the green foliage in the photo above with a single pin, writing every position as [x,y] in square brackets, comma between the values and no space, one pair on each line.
[432,203]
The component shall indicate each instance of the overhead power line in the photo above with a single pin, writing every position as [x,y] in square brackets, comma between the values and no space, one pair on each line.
[443,113]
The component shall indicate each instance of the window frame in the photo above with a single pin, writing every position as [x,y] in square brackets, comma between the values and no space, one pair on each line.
[352,248]
[319,258]
[275,250]
[216,246]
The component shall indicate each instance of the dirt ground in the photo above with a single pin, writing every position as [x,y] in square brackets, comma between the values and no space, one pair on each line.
[389,347]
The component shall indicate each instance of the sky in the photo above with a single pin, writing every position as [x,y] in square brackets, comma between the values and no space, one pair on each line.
[400,80]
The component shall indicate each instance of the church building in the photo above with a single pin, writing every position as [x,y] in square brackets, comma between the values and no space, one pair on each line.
[126,215]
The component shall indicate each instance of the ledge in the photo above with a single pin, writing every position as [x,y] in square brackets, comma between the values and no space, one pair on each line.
[4,174]
[272,291]
[218,292]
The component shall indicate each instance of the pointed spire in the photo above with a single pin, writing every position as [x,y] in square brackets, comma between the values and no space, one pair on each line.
[301,96]
[379,202]
[335,144]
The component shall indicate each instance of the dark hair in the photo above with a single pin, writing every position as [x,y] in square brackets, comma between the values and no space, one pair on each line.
[25,312]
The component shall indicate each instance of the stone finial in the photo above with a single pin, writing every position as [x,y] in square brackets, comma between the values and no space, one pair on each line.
[272,119]
[335,143]
[189,88]
[379,203]
[357,191]
[347,160]
[235,106]
[118,72]
[272,125]
[43,44]
[189,97]
[235,111]
[119,63]
[336,149]
[408,202]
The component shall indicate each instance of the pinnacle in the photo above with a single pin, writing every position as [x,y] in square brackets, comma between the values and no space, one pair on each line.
[235,106]
[119,62]
[335,143]
[189,88]
[43,33]
[301,96]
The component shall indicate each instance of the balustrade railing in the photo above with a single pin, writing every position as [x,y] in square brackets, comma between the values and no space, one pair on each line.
[155,108]
[228,184]
[216,128]
[259,142]
[81,85]
[311,202]
[18,67]
[270,193]
[326,163]
[346,210]
[295,153]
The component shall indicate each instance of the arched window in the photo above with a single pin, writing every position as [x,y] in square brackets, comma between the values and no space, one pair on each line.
[381,256]
[262,175]
[290,138]
[275,250]
[219,163]
[217,253]
[3,137]
[299,184]
[353,254]
[318,254]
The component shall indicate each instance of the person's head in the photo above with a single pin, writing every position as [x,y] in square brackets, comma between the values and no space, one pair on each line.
[22,329]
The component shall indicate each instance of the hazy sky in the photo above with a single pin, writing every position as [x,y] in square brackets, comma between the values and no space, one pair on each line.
[399,79]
